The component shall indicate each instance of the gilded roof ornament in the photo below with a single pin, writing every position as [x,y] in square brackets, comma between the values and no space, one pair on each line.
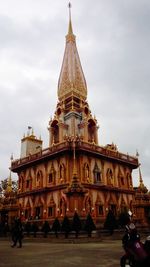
[142,187]
[71,79]
[9,182]
[140,178]
[70,31]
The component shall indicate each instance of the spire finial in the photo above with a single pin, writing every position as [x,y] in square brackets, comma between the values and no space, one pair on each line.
[69,6]
[137,153]
[70,31]
[11,157]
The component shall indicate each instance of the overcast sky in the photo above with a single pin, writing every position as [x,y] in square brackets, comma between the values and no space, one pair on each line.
[113,40]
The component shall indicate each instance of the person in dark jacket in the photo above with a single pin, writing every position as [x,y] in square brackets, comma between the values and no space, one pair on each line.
[34,228]
[65,226]
[17,233]
[89,225]
[45,228]
[56,227]
[76,224]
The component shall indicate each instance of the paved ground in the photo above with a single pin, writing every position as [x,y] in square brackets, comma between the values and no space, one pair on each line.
[70,253]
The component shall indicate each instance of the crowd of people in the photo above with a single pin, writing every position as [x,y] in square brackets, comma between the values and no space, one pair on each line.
[137,253]
[65,226]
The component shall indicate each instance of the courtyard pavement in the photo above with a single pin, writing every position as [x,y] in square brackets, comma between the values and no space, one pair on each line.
[61,253]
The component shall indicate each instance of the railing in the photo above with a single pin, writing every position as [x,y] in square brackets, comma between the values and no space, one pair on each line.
[43,153]
[110,153]
[79,144]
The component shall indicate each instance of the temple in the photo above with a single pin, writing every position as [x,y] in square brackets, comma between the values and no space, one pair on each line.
[75,172]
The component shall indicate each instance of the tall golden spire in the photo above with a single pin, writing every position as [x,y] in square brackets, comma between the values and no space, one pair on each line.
[71,79]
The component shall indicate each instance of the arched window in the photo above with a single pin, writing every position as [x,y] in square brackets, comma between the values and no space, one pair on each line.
[51,207]
[62,172]
[62,207]
[123,206]
[27,211]
[55,132]
[99,206]
[21,184]
[91,130]
[97,174]
[88,205]
[51,175]
[121,179]
[86,172]
[110,180]
[28,183]
[129,179]
[39,179]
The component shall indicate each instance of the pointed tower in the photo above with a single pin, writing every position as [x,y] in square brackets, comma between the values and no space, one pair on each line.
[30,144]
[72,83]
[141,186]
[10,201]
[72,116]
[9,185]
[142,201]
[9,189]
[74,173]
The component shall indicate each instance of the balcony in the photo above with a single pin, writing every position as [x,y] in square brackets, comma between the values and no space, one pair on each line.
[79,145]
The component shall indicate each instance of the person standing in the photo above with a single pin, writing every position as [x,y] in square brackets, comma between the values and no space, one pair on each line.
[56,227]
[17,233]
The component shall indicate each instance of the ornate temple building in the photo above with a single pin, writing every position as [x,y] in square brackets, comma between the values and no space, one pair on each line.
[74,173]
[142,202]
[8,204]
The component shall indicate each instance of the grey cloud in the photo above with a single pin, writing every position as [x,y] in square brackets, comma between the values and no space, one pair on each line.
[113,40]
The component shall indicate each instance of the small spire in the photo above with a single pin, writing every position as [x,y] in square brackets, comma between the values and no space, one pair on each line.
[11,157]
[142,187]
[140,178]
[137,153]
[9,185]
[9,181]
[29,130]
[70,31]
[32,133]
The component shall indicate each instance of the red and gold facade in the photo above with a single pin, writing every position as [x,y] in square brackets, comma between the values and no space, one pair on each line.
[74,173]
